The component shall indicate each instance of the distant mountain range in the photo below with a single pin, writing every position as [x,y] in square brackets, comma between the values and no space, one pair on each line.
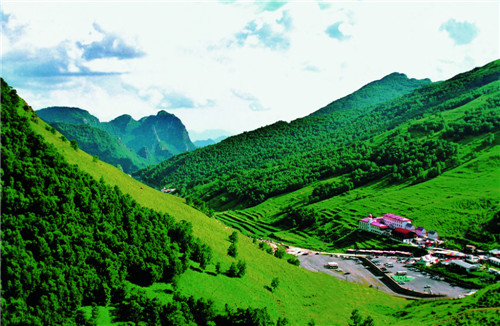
[123,142]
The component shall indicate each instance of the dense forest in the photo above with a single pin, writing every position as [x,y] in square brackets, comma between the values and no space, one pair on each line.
[358,144]
[70,241]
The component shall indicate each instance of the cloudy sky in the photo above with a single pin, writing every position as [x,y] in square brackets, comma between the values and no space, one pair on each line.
[232,65]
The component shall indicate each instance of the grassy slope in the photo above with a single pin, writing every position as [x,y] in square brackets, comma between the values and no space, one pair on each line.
[467,194]
[302,295]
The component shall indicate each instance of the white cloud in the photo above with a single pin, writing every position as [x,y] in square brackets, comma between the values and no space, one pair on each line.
[185,56]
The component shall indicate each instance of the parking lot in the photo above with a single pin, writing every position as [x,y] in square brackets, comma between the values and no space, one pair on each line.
[420,281]
[350,270]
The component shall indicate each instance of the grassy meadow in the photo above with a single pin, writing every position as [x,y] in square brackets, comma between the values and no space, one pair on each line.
[301,296]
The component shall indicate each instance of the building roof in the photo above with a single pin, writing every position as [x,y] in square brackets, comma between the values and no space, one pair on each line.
[366,219]
[495,259]
[420,228]
[463,264]
[432,232]
[379,225]
[403,231]
[395,217]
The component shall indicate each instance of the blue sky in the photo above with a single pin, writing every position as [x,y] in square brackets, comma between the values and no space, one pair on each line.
[232,65]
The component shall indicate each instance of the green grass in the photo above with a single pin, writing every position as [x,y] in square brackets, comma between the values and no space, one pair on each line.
[301,296]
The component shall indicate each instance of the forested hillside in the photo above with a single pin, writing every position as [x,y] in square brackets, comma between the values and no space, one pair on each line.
[77,251]
[70,241]
[247,169]
[123,142]
[377,92]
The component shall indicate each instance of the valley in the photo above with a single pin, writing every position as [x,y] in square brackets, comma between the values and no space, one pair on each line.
[435,162]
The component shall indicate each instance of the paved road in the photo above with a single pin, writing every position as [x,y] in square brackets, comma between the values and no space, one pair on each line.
[354,272]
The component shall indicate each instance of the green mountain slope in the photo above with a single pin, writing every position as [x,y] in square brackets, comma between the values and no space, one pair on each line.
[247,169]
[64,114]
[130,143]
[377,92]
[301,296]
[100,143]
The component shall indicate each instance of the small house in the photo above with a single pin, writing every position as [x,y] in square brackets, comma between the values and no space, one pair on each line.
[421,231]
[410,227]
[433,235]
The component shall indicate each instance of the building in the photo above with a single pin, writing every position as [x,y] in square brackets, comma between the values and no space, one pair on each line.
[403,235]
[421,232]
[433,235]
[377,227]
[494,261]
[373,225]
[465,266]
[364,223]
[410,227]
[394,221]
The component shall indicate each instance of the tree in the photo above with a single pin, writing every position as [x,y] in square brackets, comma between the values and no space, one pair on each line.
[233,270]
[232,250]
[357,320]
[233,237]
[275,283]
[74,145]
[242,268]
[280,252]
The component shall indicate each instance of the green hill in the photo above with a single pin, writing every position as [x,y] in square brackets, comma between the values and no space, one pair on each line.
[377,92]
[401,144]
[51,252]
[123,141]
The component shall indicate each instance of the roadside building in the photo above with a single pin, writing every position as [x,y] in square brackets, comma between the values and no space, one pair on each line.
[494,261]
[465,266]
[395,221]
[433,235]
[421,231]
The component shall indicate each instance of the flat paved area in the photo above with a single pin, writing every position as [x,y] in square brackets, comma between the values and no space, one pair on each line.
[355,272]
[423,282]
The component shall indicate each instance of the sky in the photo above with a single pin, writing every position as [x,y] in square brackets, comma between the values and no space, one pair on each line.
[232,65]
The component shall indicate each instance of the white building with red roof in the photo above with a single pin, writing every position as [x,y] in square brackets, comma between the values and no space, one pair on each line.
[395,221]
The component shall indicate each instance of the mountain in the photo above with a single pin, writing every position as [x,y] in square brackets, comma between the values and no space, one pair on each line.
[82,243]
[70,115]
[404,142]
[209,134]
[100,143]
[377,92]
[207,142]
[123,141]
